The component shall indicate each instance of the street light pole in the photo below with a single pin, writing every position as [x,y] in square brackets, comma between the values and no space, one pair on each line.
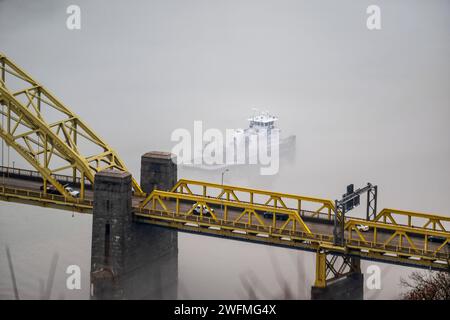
[223,173]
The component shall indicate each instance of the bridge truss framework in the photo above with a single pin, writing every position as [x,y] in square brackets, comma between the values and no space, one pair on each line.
[53,140]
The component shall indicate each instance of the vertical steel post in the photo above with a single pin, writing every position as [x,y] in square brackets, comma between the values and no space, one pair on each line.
[339,223]
[321,267]
[371,209]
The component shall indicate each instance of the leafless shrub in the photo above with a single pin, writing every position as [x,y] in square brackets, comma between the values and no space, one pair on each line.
[427,286]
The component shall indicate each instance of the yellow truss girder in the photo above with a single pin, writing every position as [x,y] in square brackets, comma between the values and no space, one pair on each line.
[271,199]
[321,270]
[330,267]
[46,174]
[437,258]
[247,209]
[45,200]
[31,130]
[413,219]
[398,233]
[39,139]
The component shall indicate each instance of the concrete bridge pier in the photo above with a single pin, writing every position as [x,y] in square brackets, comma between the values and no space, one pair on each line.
[111,232]
[337,278]
[131,260]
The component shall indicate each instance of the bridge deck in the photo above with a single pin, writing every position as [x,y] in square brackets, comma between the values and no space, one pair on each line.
[391,243]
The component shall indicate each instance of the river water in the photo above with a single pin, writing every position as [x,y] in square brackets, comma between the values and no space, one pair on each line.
[365,106]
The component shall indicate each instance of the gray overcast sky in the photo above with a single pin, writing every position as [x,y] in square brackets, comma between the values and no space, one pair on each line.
[365,105]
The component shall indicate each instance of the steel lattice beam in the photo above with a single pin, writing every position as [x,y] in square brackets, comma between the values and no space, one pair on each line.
[49,135]
[331,267]
[54,140]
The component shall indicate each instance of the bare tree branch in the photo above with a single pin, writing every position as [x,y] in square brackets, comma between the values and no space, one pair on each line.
[427,286]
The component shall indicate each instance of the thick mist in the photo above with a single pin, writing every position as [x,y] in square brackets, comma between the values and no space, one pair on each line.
[365,106]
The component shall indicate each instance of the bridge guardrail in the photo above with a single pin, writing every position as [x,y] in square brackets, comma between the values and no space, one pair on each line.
[251,211]
[405,248]
[402,238]
[413,219]
[37,176]
[50,198]
[256,196]
[232,225]
[314,240]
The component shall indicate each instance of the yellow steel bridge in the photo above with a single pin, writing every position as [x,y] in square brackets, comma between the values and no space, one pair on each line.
[63,143]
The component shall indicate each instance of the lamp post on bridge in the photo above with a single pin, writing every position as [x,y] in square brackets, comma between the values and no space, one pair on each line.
[223,173]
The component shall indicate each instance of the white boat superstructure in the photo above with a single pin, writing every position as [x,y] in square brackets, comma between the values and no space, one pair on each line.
[245,144]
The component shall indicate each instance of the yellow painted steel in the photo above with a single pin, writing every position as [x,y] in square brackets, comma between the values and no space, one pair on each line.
[324,207]
[54,140]
[159,200]
[413,219]
[45,200]
[321,272]
[48,134]
[398,239]
[174,210]
[416,242]
[331,267]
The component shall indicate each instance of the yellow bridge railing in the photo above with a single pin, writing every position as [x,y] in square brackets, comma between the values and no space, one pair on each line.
[413,219]
[50,200]
[303,205]
[399,239]
[211,213]
[251,213]
[48,135]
